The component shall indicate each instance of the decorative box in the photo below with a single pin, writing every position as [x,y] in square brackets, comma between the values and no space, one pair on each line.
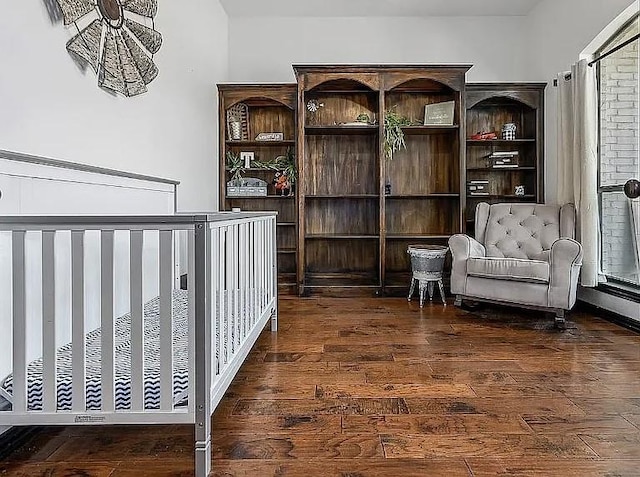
[506,159]
[246,187]
[478,187]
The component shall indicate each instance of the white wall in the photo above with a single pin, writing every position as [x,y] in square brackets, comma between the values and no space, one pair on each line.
[49,108]
[559,31]
[265,49]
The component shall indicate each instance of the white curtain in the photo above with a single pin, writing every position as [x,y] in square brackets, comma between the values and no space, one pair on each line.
[578,159]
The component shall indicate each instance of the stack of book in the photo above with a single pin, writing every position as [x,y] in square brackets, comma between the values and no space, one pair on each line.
[503,159]
[478,188]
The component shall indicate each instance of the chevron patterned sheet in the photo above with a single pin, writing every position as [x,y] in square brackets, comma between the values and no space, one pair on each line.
[122,362]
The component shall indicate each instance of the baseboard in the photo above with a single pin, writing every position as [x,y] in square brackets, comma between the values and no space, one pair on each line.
[621,320]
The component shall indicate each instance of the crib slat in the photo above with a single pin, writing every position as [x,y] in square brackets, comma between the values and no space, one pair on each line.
[137,322]
[215,263]
[166,321]
[229,289]
[191,254]
[220,316]
[78,365]
[236,287]
[107,320]
[49,397]
[19,322]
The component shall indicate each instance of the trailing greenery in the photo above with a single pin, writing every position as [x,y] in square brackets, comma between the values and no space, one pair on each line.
[393,134]
[235,165]
[285,164]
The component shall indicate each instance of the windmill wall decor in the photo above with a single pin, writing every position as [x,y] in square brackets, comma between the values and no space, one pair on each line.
[117,39]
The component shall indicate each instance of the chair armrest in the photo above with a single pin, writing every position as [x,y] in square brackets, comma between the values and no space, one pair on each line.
[565,260]
[462,248]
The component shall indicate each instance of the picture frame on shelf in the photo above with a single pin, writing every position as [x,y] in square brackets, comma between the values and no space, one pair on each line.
[247,157]
[439,114]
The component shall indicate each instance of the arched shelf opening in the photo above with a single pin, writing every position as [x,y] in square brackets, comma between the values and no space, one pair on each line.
[410,98]
[491,114]
[341,106]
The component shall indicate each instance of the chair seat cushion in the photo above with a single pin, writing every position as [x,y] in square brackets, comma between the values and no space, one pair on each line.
[516,269]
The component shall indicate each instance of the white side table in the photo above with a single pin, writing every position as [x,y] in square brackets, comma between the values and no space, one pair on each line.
[427,262]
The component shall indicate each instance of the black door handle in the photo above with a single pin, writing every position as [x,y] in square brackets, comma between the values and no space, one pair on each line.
[632,188]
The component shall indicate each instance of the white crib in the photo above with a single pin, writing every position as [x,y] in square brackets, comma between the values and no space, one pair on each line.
[168,359]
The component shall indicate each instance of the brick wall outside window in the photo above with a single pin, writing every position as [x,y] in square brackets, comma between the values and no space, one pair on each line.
[619,122]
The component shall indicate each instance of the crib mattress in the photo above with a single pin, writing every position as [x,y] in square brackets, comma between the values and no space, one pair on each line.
[122,362]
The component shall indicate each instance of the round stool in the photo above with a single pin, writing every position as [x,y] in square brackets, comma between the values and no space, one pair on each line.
[427,262]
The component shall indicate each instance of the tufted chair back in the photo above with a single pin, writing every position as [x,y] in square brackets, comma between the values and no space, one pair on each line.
[524,231]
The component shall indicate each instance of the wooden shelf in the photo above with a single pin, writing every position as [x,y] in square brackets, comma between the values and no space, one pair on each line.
[502,196]
[342,280]
[286,250]
[341,130]
[255,169]
[286,142]
[418,236]
[425,196]
[418,130]
[270,196]
[341,236]
[342,196]
[502,169]
[501,142]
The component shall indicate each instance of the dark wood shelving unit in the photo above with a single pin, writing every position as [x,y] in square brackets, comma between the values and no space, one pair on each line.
[351,233]
[272,108]
[489,107]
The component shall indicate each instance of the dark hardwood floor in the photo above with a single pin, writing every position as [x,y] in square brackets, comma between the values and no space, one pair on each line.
[378,387]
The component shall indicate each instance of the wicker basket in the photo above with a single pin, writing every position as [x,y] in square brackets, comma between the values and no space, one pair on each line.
[427,261]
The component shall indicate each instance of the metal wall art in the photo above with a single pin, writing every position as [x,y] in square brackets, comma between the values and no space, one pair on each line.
[117,38]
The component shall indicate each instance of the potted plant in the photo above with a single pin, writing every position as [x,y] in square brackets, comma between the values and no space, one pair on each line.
[286,172]
[235,165]
[393,134]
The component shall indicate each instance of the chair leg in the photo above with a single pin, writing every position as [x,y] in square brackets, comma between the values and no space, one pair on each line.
[441,287]
[422,287]
[458,300]
[431,286]
[560,321]
[411,288]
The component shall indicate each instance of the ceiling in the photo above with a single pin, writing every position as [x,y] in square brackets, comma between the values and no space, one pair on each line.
[376,8]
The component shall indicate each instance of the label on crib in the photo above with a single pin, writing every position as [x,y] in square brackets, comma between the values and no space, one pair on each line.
[89,419]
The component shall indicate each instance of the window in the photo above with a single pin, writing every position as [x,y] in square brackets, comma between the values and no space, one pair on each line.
[618,158]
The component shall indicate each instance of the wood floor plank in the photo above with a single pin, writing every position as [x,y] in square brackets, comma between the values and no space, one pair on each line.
[608,405]
[579,424]
[435,424]
[281,407]
[533,467]
[298,446]
[493,445]
[539,406]
[393,390]
[618,446]
[338,467]
[307,424]
[59,469]
[633,419]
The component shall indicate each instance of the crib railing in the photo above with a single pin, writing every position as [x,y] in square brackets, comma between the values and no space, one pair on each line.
[91,281]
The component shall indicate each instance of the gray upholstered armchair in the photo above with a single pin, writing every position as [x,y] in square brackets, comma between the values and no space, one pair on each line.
[523,255]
